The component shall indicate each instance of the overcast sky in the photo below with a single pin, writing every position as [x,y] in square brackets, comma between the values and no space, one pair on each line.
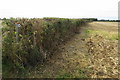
[101,9]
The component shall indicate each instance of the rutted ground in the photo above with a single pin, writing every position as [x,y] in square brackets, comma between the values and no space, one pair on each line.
[92,53]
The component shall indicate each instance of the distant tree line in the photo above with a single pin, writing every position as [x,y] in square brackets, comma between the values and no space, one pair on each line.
[95,19]
[110,20]
[91,19]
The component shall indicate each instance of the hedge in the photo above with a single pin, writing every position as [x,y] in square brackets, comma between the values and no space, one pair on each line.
[38,40]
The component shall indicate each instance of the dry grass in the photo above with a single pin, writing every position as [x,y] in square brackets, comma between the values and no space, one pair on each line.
[106,34]
[104,26]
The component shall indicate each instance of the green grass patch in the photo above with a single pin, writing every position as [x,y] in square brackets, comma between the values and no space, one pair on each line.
[105,34]
[64,75]
[79,73]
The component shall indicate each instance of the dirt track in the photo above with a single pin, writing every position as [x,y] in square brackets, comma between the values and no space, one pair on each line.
[77,58]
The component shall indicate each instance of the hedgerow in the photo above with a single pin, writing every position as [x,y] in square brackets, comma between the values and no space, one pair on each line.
[38,40]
